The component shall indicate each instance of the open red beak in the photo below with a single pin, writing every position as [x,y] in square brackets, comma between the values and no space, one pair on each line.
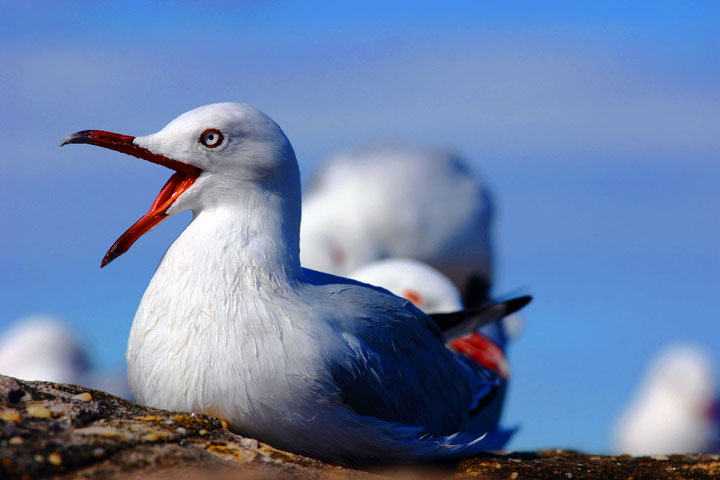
[183,178]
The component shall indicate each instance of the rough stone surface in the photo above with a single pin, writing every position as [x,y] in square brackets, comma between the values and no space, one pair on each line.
[52,430]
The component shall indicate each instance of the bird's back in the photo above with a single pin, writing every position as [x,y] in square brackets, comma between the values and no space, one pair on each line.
[390,360]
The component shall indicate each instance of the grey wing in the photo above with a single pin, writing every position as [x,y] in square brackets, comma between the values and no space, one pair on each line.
[391,362]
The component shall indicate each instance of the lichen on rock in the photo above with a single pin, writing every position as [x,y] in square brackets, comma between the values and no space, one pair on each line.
[50,430]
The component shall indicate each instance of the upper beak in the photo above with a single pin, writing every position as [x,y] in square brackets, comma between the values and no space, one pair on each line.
[183,179]
[124,143]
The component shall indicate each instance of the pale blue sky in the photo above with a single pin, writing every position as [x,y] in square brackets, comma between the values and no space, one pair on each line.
[596,123]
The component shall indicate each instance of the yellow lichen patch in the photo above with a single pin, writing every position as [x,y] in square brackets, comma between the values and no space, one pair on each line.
[149,434]
[710,468]
[278,455]
[192,422]
[10,415]
[154,437]
[231,451]
[183,418]
[83,397]
[38,411]
[55,458]
[148,418]
[101,431]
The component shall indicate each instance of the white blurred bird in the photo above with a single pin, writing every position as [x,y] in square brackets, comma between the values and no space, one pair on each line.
[43,348]
[676,408]
[399,201]
[424,286]
[231,325]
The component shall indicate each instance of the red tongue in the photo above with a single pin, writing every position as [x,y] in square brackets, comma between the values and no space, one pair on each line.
[172,189]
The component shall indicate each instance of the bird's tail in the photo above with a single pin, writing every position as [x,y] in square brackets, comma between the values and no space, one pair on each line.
[456,324]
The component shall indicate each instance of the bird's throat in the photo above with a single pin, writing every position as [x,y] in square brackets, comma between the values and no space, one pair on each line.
[178,183]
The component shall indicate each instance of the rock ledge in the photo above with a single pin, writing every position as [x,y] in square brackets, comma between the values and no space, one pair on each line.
[50,430]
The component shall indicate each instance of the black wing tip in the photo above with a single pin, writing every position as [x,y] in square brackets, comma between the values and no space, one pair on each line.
[486,314]
[517,303]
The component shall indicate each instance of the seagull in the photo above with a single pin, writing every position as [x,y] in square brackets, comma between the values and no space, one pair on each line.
[232,326]
[676,409]
[41,347]
[418,282]
[391,200]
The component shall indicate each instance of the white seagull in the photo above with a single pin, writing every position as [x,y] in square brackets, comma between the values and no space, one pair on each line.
[399,201]
[676,408]
[424,286]
[41,347]
[232,326]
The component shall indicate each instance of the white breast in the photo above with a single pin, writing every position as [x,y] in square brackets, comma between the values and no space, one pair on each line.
[216,336]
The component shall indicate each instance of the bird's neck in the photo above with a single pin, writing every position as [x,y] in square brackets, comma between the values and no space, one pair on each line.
[216,290]
[253,240]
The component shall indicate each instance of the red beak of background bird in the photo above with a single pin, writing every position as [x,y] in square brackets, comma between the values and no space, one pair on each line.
[183,178]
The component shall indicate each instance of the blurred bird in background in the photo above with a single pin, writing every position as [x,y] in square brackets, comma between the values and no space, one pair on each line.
[676,408]
[44,348]
[393,200]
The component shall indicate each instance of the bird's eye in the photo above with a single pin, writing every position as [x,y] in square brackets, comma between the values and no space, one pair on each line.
[211,138]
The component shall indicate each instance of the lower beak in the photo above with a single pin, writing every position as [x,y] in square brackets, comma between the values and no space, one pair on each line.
[183,178]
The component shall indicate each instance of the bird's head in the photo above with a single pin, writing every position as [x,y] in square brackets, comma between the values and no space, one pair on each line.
[684,375]
[216,151]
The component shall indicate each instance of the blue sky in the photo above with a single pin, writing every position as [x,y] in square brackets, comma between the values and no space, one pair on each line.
[596,123]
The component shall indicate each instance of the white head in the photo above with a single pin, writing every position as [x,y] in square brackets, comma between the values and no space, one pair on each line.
[223,154]
[425,287]
[234,145]
[683,374]
[40,348]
